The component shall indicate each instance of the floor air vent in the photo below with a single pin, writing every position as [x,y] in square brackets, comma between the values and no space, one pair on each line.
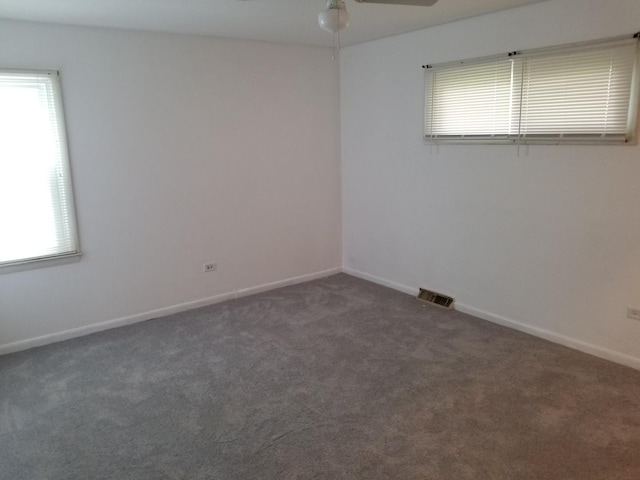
[435,298]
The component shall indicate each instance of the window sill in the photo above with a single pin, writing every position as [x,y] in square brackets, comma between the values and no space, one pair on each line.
[40,263]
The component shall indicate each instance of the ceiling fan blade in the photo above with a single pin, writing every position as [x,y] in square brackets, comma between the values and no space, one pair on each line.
[420,3]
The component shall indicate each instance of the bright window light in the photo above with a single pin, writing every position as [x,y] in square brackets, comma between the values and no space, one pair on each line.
[36,202]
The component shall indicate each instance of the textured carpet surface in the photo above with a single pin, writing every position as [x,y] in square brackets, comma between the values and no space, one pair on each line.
[332,379]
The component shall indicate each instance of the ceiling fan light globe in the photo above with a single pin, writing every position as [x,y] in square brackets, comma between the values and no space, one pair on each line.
[333,19]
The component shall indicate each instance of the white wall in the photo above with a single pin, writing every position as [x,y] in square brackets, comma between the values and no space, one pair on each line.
[184,150]
[548,242]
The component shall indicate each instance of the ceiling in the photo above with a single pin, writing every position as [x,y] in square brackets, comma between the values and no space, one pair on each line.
[289,21]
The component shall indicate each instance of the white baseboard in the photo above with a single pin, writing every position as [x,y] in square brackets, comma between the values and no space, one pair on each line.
[381,281]
[585,347]
[161,312]
[289,281]
[554,337]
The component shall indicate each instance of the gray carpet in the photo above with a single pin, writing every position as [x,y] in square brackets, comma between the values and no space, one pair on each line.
[332,379]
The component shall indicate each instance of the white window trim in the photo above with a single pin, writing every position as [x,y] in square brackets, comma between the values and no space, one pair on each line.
[44,262]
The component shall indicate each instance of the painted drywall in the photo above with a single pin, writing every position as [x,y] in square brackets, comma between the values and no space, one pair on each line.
[184,150]
[547,241]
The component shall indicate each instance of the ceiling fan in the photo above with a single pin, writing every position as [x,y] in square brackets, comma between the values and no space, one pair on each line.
[335,17]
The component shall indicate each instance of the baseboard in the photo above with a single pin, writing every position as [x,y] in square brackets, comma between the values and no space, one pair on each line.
[289,281]
[161,312]
[381,281]
[554,337]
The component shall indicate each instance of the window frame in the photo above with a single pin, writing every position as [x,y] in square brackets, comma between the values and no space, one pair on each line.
[63,256]
[631,135]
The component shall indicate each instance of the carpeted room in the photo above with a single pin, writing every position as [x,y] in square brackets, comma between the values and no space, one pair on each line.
[267,159]
[334,378]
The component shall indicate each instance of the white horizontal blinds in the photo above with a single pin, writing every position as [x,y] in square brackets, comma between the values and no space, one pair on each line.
[582,94]
[472,100]
[577,94]
[36,204]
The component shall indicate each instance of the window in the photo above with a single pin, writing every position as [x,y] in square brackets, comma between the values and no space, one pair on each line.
[577,94]
[37,217]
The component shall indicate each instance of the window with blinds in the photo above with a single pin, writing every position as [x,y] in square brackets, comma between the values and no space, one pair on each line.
[577,94]
[36,201]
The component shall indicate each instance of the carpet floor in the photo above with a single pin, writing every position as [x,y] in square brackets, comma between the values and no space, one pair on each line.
[332,379]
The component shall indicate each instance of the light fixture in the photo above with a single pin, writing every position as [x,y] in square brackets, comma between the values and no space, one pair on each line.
[335,17]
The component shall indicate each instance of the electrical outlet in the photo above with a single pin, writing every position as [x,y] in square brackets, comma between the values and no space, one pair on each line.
[210,267]
[633,312]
